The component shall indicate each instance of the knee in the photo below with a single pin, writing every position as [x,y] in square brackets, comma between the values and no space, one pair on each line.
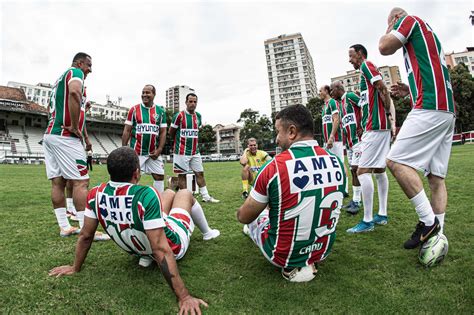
[81,184]
[184,194]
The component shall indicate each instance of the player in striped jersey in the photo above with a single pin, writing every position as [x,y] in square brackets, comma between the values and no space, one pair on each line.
[424,140]
[65,157]
[142,222]
[303,189]
[377,114]
[145,127]
[351,123]
[184,129]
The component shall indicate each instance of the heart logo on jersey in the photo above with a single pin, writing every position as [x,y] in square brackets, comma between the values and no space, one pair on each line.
[103,212]
[301,182]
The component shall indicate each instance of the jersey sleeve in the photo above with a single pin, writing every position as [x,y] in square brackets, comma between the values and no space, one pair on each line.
[403,28]
[76,75]
[353,98]
[370,72]
[151,203]
[90,205]
[333,106]
[199,120]
[163,119]
[130,115]
[260,188]
[176,120]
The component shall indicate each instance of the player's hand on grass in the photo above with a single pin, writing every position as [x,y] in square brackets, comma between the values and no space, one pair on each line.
[191,305]
[73,130]
[399,90]
[62,271]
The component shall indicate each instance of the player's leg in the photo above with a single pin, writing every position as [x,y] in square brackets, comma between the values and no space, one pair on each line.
[159,182]
[58,199]
[439,198]
[381,217]
[367,187]
[70,208]
[181,168]
[196,165]
[157,171]
[246,178]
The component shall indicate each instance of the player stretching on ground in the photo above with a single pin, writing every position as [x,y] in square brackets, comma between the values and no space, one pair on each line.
[146,126]
[252,159]
[377,108]
[351,123]
[424,141]
[141,222]
[303,189]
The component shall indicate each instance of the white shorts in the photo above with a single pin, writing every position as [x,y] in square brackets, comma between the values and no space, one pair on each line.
[64,157]
[424,142]
[180,223]
[353,154]
[258,230]
[374,147]
[337,149]
[183,164]
[150,166]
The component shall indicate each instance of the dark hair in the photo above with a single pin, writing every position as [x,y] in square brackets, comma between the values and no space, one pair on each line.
[360,48]
[299,116]
[121,163]
[327,88]
[80,56]
[191,94]
[152,88]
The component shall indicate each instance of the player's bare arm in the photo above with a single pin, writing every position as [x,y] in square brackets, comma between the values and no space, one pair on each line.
[127,132]
[86,139]
[389,44]
[332,136]
[383,91]
[74,101]
[172,132]
[162,142]
[83,245]
[243,159]
[250,210]
[165,259]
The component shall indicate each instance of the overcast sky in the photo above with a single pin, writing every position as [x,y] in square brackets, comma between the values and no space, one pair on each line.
[214,47]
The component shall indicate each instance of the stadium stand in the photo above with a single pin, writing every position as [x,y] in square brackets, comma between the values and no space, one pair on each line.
[35,135]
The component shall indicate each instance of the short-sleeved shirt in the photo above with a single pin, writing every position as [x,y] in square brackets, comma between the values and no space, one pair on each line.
[256,161]
[330,108]
[146,123]
[187,132]
[303,187]
[351,118]
[374,116]
[428,75]
[58,106]
[126,211]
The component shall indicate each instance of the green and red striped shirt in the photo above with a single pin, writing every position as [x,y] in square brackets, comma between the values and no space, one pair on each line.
[330,108]
[428,75]
[303,187]
[373,112]
[351,118]
[146,123]
[187,132]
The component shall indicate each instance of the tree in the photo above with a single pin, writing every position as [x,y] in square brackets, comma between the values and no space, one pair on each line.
[259,127]
[315,106]
[168,148]
[402,108]
[463,92]
[207,139]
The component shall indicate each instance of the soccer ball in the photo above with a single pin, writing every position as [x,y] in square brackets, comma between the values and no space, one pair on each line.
[433,251]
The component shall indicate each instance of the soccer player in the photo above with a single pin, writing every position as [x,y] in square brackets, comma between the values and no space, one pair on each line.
[141,221]
[351,123]
[252,159]
[424,140]
[184,129]
[65,157]
[146,127]
[377,114]
[331,119]
[302,189]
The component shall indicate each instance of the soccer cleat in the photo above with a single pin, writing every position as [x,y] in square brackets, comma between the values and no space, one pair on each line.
[300,274]
[246,230]
[362,227]
[145,261]
[211,234]
[245,194]
[211,200]
[421,234]
[380,219]
[69,231]
[353,207]
[99,236]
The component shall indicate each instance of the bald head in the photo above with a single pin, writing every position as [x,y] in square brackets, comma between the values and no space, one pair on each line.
[396,13]
[337,89]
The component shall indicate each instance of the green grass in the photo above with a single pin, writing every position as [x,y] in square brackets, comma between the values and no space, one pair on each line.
[369,273]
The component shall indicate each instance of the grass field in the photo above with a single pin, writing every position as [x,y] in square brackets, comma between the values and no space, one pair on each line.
[369,273]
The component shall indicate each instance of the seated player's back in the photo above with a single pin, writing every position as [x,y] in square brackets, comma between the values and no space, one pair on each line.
[305,186]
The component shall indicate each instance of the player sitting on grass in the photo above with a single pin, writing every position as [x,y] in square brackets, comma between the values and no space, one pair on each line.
[303,189]
[142,222]
[252,159]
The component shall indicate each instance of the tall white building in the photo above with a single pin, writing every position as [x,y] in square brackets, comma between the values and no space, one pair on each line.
[39,93]
[290,70]
[176,97]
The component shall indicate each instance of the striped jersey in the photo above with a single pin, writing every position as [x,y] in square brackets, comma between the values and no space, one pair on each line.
[428,75]
[351,118]
[126,211]
[187,132]
[146,123]
[303,187]
[330,108]
[58,106]
[373,113]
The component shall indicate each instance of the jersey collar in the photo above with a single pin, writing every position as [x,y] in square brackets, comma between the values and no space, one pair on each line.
[305,143]
[118,184]
[143,105]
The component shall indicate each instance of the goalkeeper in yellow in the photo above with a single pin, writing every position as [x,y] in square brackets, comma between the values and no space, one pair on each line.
[251,160]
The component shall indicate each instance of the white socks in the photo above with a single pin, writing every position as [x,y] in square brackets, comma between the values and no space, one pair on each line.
[199,218]
[441,221]
[367,186]
[423,208]
[204,192]
[356,194]
[80,218]
[382,187]
[61,217]
[70,206]
[159,185]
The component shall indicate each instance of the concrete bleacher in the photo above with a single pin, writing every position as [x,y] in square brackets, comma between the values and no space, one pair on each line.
[104,143]
[35,135]
[17,135]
